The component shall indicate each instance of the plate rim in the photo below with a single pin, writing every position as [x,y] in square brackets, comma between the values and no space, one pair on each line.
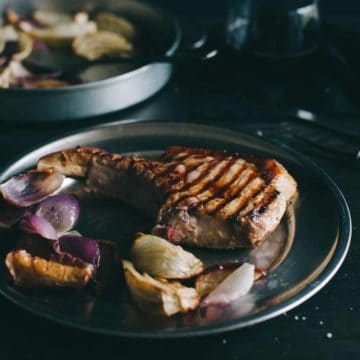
[315,285]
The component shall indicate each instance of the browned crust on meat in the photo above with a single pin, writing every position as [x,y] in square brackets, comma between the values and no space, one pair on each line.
[32,271]
[150,170]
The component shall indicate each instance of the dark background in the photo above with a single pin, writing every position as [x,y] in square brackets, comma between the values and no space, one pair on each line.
[301,333]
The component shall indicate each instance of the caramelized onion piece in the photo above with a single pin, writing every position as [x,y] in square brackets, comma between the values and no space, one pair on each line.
[237,284]
[30,187]
[158,257]
[62,211]
[116,24]
[32,271]
[213,276]
[38,225]
[158,296]
[62,35]
[102,44]
[81,247]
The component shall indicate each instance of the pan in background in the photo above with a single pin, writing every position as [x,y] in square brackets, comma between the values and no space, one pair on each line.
[106,91]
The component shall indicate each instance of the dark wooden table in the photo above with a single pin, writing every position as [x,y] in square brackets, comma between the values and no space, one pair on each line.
[326,327]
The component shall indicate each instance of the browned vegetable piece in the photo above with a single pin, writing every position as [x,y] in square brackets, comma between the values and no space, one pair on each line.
[102,44]
[158,296]
[32,271]
[117,24]
[61,35]
[158,257]
[212,277]
[69,162]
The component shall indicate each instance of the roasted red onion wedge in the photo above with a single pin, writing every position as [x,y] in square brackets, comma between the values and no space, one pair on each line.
[38,225]
[214,275]
[62,211]
[10,215]
[31,187]
[237,284]
[48,249]
[81,247]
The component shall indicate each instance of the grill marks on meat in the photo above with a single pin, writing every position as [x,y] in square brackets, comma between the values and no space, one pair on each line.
[201,197]
[244,196]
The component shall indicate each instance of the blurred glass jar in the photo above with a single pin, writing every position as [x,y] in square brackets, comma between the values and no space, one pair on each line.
[273,28]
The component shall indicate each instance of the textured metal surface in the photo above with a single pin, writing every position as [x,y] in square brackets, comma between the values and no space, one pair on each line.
[301,265]
[106,88]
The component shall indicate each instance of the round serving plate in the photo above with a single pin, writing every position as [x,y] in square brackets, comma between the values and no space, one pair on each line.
[301,256]
[105,88]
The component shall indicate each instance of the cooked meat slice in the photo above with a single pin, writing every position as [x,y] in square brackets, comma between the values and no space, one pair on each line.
[200,197]
[32,271]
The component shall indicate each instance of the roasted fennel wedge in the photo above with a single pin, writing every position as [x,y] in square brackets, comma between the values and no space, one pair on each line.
[158,257]
[159,296]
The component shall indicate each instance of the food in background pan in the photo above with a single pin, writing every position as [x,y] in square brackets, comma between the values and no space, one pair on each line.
[90,37]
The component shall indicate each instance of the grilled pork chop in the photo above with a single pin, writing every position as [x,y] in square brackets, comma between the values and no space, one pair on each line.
[199,197]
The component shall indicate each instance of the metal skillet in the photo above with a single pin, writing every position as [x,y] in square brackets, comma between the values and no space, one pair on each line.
[105,88]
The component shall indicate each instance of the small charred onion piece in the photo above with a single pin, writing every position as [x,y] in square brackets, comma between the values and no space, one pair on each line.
[115,24]
[158,257]
[212,277]
[62,34]
[237,284]
[159,296]
[31,187]
[32,271]
[102,44]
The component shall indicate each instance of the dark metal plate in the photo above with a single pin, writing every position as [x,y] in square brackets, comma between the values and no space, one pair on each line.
[303,254]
